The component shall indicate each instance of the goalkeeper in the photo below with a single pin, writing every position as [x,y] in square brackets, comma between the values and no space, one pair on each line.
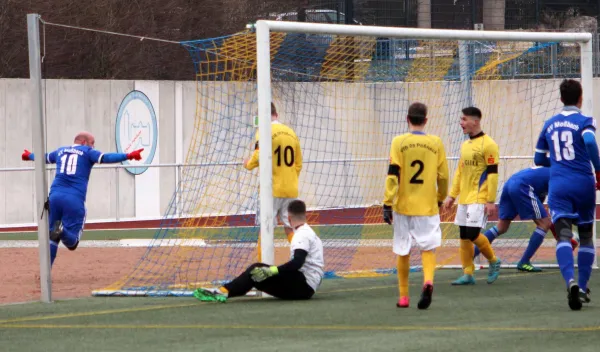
[297,279]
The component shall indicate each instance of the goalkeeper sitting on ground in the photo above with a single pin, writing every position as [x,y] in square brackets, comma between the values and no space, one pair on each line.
[295,280]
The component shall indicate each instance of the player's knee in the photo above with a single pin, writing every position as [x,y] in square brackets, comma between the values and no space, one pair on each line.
[73,247]
[469,233]
[586,235]
[543,224]
[69,240]
[563,227]
[502,227]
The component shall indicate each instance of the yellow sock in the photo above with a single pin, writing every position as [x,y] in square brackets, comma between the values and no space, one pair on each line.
[485,247]
[403,268]
[224,290]
[466,256]
[428,259]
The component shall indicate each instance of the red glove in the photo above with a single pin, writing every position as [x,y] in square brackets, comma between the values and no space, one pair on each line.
[136,154]
[574,244]
[598,180]
[25,155]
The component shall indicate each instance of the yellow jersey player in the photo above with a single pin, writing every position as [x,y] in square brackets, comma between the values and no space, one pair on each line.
[287,164]
[475,184]
[416,185]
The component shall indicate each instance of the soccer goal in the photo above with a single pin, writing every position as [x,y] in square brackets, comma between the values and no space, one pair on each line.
[345,91]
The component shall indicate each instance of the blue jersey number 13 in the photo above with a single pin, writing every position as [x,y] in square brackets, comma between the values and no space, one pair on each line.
[567,152]
[68,161]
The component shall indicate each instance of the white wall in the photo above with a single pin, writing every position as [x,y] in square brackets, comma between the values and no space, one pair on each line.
[71,106]
[333,121]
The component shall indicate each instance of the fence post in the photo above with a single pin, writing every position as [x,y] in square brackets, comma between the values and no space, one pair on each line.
[117,202]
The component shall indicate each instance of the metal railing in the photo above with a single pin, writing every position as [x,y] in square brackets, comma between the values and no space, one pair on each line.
[344,181]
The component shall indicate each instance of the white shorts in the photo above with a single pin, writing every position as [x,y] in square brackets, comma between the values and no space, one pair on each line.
[280,211]
[425,230]
[471,215]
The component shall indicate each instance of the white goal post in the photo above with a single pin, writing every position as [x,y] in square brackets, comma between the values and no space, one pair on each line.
[264,28]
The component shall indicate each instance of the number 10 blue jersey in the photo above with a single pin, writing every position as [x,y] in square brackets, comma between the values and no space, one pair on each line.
[73,167]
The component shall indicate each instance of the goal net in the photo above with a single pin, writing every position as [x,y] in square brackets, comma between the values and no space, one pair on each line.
[345,91]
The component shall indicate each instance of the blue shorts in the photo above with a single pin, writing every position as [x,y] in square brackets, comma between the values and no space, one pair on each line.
[520,199]
[70,210]
[574,200]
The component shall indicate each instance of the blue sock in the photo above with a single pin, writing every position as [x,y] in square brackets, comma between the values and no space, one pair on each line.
[535,241]
[564,256]
[53,250]
[585,260]
[491,235]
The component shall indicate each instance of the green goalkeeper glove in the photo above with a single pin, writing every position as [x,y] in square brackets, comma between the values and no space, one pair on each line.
[262,273]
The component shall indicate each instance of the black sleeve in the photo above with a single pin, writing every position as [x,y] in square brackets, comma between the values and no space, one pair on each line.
[394,170]
[296,263]
[492,169]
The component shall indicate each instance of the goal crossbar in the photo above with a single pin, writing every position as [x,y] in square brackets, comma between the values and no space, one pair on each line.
[420,33]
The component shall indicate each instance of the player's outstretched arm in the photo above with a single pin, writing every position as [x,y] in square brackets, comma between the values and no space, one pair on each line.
[111,158]
[29,156]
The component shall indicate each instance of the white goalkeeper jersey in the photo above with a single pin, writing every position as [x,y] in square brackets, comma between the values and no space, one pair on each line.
[306,239]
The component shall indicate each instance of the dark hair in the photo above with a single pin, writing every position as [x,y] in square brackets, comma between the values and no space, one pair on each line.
[570,92]
[472,111]
[297,208]
[273,109]
[417,113]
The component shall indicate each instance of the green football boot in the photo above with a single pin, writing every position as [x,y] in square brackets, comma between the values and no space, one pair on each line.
[528,268]
[209,296]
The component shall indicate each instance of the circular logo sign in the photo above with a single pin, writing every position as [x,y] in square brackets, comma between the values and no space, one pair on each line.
[136,128]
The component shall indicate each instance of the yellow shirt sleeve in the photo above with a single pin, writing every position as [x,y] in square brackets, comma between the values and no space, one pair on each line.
[253,162]
[442,179]
[492,157]
[393,178]
[298,158]
[455,191]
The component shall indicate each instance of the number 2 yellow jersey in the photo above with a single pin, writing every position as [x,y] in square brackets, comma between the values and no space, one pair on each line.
[418,174]
[287,160]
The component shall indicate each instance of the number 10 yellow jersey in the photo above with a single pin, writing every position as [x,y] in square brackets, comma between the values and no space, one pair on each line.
[287,160]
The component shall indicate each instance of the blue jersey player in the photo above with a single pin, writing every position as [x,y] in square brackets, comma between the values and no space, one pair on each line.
[68,191]
[522,195]
[569,138]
